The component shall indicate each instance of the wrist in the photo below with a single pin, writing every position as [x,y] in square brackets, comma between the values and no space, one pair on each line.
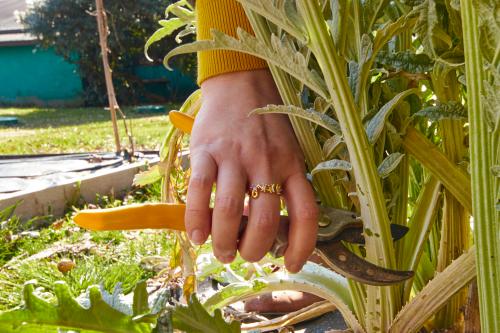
[257,83]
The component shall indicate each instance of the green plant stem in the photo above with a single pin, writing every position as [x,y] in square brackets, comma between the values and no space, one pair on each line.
[452,177]
[381,305]
[486,219]
[435,294]
[412,245]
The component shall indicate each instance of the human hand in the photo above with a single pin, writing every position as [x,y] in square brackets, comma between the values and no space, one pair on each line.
[235,150]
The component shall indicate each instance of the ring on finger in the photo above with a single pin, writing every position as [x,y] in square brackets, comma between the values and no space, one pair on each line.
[255,190]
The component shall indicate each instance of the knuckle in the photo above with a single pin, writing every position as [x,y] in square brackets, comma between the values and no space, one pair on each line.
[200,181]
[194,213]
[228,205]
[265,222]
[308,212]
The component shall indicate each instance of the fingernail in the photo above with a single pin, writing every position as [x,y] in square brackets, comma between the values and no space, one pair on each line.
[227,259]
[197,236]
[294,268]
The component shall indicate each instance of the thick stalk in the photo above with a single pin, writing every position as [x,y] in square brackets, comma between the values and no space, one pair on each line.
[486,219]
[455,223]
[381,305]
[452,177]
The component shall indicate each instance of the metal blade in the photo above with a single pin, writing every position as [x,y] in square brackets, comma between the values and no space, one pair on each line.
[346,263]
[354,234]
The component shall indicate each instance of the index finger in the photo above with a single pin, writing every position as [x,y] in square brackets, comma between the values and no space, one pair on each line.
[198,216]
[303,212]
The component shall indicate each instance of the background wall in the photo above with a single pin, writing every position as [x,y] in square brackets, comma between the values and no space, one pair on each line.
[30,75]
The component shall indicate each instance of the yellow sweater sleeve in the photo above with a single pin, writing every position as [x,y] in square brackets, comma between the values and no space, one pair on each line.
[225,16]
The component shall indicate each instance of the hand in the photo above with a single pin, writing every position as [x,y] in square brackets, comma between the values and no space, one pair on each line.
[235,150]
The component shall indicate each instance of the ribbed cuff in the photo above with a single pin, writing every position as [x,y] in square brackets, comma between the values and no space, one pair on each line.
[225,16]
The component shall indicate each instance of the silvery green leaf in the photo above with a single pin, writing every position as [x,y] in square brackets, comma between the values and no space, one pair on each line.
[450,110]
[491,101]
[333,145]
[313,278]
[279,54]
[339,16]
[282,13]
[375,125]
[353,76]
[428,29]
[316,117]
[389,164]
[332,165]
[489,25]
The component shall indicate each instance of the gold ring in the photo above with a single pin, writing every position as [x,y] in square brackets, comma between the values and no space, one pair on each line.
[255,190]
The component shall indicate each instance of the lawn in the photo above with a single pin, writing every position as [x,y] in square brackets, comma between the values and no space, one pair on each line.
[65,130]
[32,250]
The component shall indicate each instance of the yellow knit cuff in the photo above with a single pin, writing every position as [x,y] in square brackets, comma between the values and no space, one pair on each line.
[225,16]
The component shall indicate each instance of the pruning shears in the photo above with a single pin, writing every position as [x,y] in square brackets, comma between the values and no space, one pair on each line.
[336,226]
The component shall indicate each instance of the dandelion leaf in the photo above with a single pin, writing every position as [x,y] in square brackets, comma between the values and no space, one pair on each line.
[194,318]
[38,315]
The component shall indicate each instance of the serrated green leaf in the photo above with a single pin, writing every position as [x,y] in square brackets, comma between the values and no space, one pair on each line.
[38,315]
[375,125]
[489,27]
[281,13]
[450,110]
[316,117]
[427,27]
[332,165]
[194,318]
[147,177]
[407,61]
[491,101]
[389,164]
[168,27]
[280,54]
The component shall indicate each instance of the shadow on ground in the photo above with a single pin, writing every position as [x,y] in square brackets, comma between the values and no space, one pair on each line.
[58,117]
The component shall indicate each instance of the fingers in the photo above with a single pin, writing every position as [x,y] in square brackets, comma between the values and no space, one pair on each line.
[303,212]
[228,209]
[262,227]
[198,215]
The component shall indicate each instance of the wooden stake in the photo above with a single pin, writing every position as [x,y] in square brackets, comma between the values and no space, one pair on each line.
[102,25]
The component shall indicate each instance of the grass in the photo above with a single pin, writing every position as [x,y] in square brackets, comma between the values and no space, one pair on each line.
[115,257]
[65,130]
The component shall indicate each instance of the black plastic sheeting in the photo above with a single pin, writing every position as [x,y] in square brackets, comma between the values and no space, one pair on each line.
[30,172]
